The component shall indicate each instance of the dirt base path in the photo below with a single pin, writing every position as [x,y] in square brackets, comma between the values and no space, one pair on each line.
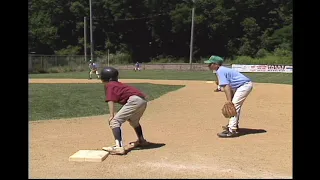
[186,121]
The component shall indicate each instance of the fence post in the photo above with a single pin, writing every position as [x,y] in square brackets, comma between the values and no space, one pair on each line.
[42,62]
[108,57]
[30,63]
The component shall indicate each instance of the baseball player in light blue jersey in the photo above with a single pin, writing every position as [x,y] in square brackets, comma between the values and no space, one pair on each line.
[236,86]
[93,68]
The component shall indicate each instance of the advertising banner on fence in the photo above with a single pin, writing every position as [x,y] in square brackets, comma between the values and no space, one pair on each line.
[262,68]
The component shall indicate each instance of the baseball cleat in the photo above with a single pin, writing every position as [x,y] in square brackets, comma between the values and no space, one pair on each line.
[226,128]
[115,150]
[139,143]
[228,134]
[217,90]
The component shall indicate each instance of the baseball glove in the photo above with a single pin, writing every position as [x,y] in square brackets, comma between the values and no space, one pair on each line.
[229,110]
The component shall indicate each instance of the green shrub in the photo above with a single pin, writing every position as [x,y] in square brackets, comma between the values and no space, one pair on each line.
[273,59]
[69,50]
[167,59]
[262,53]
[81,68]
[63,69]
[41,70]
[119,58]
[268,60]
[281,52]
[54,70]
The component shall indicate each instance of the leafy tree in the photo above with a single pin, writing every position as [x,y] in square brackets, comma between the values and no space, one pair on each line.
[146,29]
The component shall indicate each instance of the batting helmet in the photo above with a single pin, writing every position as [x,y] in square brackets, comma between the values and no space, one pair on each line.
[109,74]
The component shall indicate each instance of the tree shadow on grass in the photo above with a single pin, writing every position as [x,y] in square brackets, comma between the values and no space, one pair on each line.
[246,131]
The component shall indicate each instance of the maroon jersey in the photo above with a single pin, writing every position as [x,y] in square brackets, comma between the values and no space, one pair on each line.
[120,93]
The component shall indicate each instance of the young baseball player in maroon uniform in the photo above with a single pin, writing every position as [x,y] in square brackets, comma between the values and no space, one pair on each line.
[134,105]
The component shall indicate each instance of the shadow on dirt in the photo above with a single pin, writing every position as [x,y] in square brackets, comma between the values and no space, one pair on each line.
[246,131]
[150,146]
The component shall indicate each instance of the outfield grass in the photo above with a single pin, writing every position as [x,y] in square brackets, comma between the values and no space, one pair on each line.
[279,78]
[54,101]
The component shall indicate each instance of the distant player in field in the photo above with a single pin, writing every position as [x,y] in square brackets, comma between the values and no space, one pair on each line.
[134,104]
[93,69]
[137,66]
[236,86]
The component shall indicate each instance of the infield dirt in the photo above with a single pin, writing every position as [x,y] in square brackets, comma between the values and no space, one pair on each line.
[185,123]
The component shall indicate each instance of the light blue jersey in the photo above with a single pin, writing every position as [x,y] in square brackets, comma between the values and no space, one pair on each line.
[93,66]
[228,76]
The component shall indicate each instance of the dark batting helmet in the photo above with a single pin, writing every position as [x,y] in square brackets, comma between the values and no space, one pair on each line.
[109,74]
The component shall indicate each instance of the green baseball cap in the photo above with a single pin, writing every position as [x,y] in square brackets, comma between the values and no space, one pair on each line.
[214,59]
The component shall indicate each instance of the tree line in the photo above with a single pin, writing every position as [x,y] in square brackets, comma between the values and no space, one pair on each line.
[147,29]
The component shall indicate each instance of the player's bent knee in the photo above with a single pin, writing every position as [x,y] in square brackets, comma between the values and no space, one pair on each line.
[114,123]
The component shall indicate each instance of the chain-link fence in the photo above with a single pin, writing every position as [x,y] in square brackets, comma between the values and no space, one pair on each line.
[45,63]
[56,63]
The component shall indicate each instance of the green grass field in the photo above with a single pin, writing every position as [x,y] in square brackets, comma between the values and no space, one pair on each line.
[279,78]
[54,101]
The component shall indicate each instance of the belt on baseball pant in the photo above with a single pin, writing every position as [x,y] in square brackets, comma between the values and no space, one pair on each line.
[244,84]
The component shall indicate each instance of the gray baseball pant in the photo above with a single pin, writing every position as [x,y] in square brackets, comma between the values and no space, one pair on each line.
[131,112]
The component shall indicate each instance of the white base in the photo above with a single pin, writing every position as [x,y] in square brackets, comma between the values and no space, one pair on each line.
[89,156]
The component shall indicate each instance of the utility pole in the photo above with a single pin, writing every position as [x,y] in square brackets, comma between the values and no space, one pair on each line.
[108,57]
[91,35]
[85,39]
[191,37]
